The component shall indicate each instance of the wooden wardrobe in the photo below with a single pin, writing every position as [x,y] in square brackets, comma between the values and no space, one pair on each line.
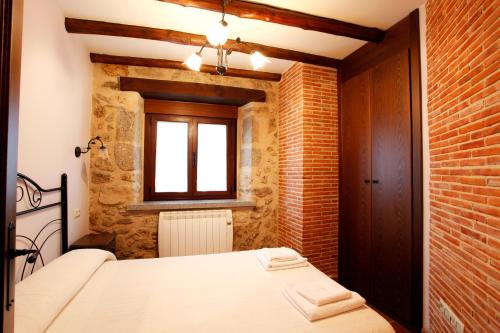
[380,200]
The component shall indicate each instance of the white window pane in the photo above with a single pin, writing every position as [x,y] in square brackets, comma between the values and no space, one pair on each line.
[212,158]
[171,157]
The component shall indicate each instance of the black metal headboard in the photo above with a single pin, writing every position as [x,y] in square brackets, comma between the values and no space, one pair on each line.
[30,190]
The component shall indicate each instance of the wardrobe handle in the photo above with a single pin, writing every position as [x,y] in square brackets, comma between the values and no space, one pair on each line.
[375,181]
[367,181]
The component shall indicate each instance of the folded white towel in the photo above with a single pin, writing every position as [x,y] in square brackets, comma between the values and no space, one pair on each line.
[323,291]
[274,266]
[279,254]
[313,312]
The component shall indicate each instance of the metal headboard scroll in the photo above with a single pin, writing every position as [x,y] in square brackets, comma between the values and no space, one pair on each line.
[30,190]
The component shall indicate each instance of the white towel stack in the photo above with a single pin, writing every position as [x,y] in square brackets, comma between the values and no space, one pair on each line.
[321,299]
[273,259]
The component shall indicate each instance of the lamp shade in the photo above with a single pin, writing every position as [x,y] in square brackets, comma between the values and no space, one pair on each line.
[103,152]
[258,60]
[193,62]
[217,33]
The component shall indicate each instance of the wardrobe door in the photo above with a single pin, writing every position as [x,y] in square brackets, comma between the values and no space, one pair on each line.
[391,187]
[355,184]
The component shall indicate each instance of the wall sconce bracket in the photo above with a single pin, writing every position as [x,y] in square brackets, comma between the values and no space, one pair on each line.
[79,151]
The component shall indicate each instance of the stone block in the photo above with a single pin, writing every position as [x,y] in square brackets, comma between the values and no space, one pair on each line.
[97,177]
[113,195]
[127,156]
[103,164]
[111,85]
[115,70]
[125,126]
[261,192]
[250,157]
[98,109]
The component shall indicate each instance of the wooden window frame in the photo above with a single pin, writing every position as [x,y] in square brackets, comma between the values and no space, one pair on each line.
[193,114]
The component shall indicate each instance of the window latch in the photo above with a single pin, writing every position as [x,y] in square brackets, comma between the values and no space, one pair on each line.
[194,159]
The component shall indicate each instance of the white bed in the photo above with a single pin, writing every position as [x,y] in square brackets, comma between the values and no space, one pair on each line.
[87,291]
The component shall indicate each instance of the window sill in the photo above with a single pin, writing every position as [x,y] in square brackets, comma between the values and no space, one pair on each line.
[190,204]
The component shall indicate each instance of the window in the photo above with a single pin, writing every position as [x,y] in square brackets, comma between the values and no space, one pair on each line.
[189,151]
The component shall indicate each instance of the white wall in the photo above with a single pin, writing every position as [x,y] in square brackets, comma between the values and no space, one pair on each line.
[55,106]
[425,167]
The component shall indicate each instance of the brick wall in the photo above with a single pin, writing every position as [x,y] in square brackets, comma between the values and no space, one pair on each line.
[464,137]
[291,168]
[308,155]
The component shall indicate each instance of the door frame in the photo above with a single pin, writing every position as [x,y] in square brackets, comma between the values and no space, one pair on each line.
[11,13]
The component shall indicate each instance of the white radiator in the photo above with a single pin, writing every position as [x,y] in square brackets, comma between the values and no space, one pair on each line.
[184,233]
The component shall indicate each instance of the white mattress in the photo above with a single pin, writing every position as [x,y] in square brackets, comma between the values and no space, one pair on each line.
[227,292]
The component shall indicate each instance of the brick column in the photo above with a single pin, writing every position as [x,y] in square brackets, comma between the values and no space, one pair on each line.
[309,164]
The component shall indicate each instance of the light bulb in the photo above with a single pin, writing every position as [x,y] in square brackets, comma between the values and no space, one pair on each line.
[103,152]
[258,60]
[193,62]
[218,33]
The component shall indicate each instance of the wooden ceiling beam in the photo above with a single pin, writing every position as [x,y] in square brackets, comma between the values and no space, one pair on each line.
[163,63]
[191,92]
[267,13]
[177,37]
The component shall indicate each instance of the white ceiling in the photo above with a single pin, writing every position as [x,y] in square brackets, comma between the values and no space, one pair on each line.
[151,13]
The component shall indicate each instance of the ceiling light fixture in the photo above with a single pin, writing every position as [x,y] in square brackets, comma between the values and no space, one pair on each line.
[218,33]
[217,36]
[194,61]
[258,60]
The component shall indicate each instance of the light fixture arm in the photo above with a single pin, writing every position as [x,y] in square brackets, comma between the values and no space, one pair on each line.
[223,10]
[202,47]
[230,50]
[224,4]
[79,151]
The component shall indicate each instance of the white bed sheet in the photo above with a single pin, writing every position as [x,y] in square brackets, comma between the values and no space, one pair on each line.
[228,292]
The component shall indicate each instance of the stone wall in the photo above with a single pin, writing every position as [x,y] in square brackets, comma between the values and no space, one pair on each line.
[116,179]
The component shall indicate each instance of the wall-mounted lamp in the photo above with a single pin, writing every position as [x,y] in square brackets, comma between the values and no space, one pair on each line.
[79,151]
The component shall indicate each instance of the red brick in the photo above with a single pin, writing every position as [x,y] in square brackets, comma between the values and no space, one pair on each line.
[309,100]
[464,125]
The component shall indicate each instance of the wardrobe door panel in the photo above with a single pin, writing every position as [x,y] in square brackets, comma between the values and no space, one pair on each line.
[355,182]
[391,187]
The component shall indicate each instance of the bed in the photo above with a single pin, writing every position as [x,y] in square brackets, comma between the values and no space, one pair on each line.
[90,291]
